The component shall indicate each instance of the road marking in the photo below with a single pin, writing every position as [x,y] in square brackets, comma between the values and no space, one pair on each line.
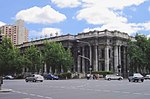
[79,88]
[48,97]
[116,91]
[146,94]
[24,93]
[32,94]
[137,93]
[126,92]
[40,96]
[106,90]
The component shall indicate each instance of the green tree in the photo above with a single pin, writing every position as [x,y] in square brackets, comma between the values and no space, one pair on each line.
[138,53]
[33,59]
[57,57]
[9,58]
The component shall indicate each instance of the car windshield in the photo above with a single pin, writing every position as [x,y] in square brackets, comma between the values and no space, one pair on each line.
[137,75]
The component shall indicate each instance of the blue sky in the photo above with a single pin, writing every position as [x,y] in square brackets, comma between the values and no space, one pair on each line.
[45,17]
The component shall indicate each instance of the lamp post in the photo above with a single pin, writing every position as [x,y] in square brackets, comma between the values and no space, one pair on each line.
[90,59]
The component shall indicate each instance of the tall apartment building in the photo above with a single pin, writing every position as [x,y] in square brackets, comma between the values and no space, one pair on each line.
[17,33]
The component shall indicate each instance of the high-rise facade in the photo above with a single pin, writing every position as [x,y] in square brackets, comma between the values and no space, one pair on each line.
[17,33]
[22,32]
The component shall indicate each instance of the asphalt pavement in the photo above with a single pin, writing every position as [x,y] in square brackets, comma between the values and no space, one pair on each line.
[76,89]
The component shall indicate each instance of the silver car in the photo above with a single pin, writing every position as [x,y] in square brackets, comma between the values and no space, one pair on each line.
[136,77]
[147,77]
[113,77]
[34,78]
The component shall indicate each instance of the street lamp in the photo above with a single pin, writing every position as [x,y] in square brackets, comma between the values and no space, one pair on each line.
[90,59]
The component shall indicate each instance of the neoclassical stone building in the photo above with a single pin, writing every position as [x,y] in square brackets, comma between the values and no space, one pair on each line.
[94,50]
[106,49]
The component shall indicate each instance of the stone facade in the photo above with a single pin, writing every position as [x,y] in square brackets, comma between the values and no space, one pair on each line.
[95,50]
[108,52]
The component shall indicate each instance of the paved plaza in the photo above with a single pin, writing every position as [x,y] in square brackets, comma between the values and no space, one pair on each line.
[76,89]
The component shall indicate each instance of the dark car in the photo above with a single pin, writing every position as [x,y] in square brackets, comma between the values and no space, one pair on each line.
[136,77]
[51,77]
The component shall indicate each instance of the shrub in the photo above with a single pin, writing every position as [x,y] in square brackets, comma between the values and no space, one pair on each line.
[64,76]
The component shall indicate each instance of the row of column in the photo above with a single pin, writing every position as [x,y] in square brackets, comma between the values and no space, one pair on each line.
[116,58]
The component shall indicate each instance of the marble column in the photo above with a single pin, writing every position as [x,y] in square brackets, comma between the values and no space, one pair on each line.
[116,58]
[119,56]
[45,68]
[78,68]
[125,62]
[96,59]
[83,60]
[107,58]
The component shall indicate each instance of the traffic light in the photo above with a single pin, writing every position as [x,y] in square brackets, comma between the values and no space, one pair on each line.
[0,39]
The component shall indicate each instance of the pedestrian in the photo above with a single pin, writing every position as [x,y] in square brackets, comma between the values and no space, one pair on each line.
[94,76]
[88,76]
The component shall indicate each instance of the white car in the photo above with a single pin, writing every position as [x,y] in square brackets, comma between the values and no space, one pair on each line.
[136,77]
[147,77]
[35,78]
[113,77]
[8,77]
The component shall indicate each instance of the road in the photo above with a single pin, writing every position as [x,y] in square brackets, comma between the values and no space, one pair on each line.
[76,89]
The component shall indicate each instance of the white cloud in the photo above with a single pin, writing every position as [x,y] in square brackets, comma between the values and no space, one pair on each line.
[2,23]
[45,15]
[103,16]
[45,32]
[51,31]
[109,14]
[149,8]
[66,3]
[123,27]
[145,25]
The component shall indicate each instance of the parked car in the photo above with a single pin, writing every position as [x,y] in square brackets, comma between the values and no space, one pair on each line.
[34,78]
[147,77]
[113,77]
[51,77]
[136,77]
[8,77]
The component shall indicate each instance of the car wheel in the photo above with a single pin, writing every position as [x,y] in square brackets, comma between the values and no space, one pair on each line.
[34,80]
[109,78]
[142,80]
[119,79]
[129,80]
[26,80]
[41,81]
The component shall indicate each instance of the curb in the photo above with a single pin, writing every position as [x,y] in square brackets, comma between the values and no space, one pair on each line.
[5,90]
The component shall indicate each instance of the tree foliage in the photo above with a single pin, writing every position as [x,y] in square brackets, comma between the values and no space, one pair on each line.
[10,62]
[139,54]
[34,59]
[56,57]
